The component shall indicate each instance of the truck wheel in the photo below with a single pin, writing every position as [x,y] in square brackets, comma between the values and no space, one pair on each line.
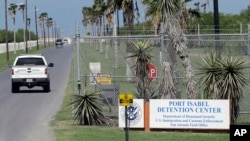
[46,88]
[14,88]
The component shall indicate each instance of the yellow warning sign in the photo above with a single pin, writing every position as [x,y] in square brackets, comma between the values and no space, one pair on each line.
[126,99]
[103,78]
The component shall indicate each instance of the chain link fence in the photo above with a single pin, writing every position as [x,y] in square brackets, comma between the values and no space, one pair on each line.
[111,53]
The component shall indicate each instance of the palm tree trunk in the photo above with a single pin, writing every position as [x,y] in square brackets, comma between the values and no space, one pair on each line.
[130,73]
[167,85]
[52,34]
[44,35]
[173,61]
[48,35]
[176,35]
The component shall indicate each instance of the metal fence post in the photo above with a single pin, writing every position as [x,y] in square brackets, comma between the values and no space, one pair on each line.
[199,36]
[78,58]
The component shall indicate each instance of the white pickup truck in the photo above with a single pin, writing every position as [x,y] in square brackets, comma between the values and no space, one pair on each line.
[30,70]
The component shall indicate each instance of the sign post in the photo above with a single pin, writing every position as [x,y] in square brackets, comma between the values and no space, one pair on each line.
[126,100]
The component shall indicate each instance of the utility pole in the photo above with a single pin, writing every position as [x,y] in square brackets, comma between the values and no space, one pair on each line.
[6,32]
[217,28]
[37,45]
[26,26]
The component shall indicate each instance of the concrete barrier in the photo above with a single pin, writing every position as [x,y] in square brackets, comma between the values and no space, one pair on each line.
[19,46]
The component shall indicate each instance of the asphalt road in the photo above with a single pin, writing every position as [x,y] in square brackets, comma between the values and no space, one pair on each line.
[25,116]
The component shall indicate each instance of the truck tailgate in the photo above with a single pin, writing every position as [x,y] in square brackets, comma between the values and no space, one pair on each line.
[29,72]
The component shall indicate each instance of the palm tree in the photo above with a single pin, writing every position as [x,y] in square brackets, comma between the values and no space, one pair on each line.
[43,17]
[88,110]
[112,9]
[85,20]
[115,6]
[128,8]
[224,78]
[12,10]
[143,50]
[169,10]
[188,17]
[86,11]
[89,15]
[22,8]
[94,23]
[100,7]
[40,21]
[49,23]
[128,11]
[155,16]
[156,19]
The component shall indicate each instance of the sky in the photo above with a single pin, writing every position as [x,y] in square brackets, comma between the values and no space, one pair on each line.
[68,13]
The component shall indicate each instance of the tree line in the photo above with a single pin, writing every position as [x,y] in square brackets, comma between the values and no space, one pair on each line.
[229,24]
[19,36]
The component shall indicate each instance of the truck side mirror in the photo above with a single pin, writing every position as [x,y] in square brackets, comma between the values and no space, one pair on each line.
[51,65]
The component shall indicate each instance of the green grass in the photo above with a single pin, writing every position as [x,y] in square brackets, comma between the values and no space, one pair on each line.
[67,130]
[85,133]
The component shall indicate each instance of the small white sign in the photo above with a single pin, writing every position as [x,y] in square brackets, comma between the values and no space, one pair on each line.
[189,114]
[135,115]
[95,67]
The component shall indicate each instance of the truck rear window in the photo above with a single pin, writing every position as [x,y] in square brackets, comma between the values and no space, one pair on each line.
[30,61]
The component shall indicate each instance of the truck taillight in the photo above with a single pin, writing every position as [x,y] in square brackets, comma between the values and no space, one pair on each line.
[46,71]
[12,71]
